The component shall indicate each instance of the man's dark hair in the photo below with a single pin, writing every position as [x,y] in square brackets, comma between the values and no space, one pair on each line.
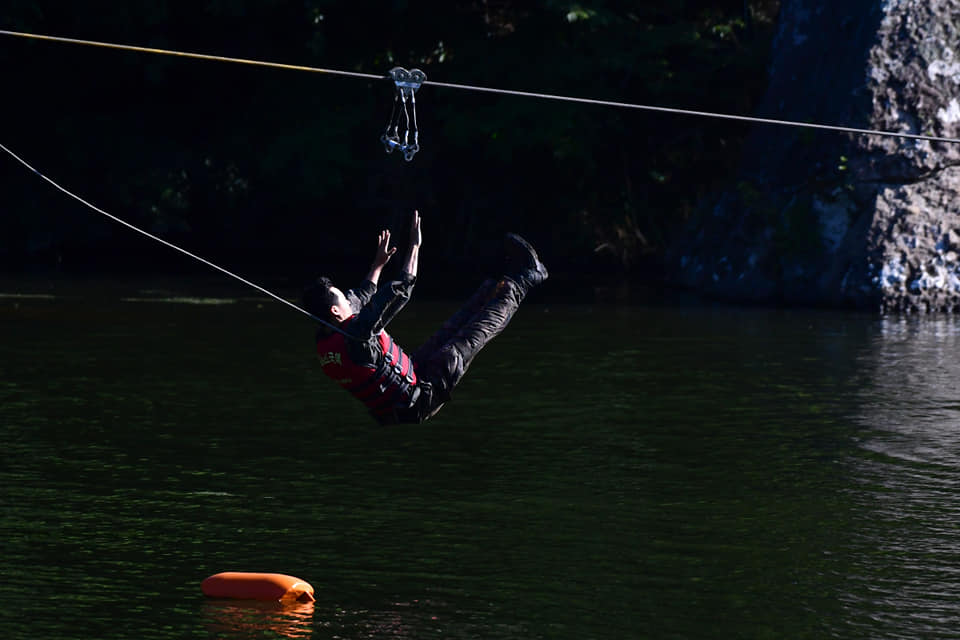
[318,298]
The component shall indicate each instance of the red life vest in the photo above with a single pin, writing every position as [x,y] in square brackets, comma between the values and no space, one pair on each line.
[391,383]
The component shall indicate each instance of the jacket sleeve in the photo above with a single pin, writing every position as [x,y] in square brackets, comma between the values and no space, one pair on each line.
[360,296]
[382,307]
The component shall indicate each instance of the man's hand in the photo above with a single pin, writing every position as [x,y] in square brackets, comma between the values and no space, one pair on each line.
[382,257]
[415,237]
[384,250]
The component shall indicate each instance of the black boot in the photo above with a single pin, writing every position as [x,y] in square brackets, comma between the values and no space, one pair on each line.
[521,263]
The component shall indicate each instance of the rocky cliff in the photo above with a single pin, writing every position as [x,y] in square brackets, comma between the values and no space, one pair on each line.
[837,219]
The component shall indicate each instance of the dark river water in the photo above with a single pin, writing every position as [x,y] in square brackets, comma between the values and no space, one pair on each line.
[602,472]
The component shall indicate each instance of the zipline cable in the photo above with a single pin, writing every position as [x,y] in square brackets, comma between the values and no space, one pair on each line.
[688,112]
[465,87]
[184,54]
[175,247]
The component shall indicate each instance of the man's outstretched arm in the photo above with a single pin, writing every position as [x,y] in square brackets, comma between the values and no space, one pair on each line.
[413,255]
[387,302]
[382,257]
[360,295]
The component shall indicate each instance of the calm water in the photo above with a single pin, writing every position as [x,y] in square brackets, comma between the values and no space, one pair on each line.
[602,472]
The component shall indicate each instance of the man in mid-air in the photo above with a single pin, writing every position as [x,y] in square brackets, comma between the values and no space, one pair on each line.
[356,351]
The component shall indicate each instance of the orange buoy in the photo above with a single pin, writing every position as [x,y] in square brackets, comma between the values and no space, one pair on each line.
[257,586]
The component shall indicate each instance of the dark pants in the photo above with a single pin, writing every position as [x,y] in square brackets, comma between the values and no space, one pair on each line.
[443,359]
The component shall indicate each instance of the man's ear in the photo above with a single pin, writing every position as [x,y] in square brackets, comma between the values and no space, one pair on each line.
[335,311]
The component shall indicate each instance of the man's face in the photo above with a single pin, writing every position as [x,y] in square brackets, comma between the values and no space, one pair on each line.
[342,309]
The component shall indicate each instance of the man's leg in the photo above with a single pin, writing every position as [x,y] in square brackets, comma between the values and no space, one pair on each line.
[435,342]
[520,260]
[446,365]
[444,368]
[487,323]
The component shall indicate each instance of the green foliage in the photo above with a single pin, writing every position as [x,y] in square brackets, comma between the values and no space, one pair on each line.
[577,13]
[299,143]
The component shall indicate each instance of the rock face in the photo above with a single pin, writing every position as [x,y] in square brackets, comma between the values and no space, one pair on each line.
[838,219]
